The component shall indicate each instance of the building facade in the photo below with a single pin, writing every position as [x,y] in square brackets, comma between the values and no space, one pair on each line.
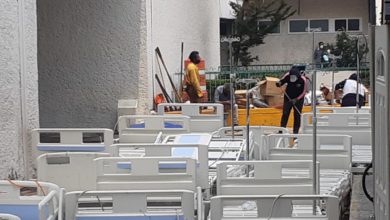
[67,63]
[293,41]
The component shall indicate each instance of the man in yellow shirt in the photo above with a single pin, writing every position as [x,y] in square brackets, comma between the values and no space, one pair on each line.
[191,79]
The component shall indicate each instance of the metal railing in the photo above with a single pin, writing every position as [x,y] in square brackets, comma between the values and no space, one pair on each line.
[220,76]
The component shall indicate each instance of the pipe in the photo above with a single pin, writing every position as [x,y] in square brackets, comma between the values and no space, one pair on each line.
[22,75]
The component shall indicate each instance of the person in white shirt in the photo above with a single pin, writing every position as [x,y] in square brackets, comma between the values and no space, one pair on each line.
[349,91]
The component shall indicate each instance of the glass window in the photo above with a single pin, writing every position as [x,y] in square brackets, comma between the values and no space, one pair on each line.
[340,25]
[298,26]
[265,24]
[320,24]
[353,25]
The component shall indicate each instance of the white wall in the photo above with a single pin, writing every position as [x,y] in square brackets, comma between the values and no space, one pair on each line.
[285,48]
[91,53]
[18,86]
[196,23]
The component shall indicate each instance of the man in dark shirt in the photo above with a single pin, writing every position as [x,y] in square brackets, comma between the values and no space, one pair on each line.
[222,96]
[293,97]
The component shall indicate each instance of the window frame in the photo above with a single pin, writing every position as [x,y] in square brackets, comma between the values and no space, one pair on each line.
[308,25]
[346,21]
[277,33]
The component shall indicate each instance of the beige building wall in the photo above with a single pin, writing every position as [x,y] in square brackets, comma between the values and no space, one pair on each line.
[288,48]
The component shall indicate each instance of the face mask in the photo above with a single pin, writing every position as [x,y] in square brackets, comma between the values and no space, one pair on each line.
[293,78]
[321,46]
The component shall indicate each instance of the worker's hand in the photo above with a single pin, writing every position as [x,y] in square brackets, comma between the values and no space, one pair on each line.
[293,101]
[278,84]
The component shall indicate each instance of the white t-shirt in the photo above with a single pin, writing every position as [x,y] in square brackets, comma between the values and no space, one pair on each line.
[350,87]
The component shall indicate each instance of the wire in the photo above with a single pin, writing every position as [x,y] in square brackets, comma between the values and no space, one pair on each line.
[273,205]
[40,187]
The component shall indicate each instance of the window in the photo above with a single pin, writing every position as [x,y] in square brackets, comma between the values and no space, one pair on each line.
[323,25]
[266,23]
[297,26]
[347,24]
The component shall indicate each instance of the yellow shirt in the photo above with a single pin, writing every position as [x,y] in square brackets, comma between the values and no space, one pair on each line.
[192,78]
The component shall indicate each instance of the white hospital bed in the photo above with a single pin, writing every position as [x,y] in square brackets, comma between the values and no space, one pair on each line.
[46,140]
[42,205]
[199,152]
[282,207]
[199,120]
[146,128]
[335,164]
[70,170]
[265,178]
[363,109]
[146,173]
[120,205]
[357,125]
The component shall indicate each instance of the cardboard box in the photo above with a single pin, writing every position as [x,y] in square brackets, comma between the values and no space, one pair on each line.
[268,87]
[275,100]
[241,94]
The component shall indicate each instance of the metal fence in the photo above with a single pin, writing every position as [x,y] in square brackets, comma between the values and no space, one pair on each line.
[220,76]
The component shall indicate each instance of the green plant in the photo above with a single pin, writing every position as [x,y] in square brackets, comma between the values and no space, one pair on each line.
[248,28]
[346,48]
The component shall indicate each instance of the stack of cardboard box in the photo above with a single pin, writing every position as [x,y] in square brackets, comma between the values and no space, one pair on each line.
[273,94]
[240,96]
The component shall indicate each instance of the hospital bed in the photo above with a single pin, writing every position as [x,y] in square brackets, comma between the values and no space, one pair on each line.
[124,204]
[204,117]
[199,152]
[146,173]
[146,128]
[335,163]
[328,109]
[43,204]
[356,125]
[281,207]
[70,170]
[46,140]
[265,177]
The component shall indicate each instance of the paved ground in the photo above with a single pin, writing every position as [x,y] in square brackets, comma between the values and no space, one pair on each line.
[361,208]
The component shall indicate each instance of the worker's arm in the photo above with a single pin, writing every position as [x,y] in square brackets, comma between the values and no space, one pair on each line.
[195,82]
[340,85]
[283,80]
[305,83]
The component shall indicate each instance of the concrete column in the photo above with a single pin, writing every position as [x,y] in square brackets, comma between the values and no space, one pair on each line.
[19,86]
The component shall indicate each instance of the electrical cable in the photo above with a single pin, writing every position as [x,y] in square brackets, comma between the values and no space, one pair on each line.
[365,173]
[273,205]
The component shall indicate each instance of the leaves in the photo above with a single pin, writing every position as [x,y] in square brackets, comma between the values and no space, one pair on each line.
[246,26]
[346,48]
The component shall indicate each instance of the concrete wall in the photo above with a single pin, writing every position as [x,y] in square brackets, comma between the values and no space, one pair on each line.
[287,47]
[91,53]
[196,23]
[18,86]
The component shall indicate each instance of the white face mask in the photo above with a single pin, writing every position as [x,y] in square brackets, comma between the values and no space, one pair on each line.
[293,78]
[321,46]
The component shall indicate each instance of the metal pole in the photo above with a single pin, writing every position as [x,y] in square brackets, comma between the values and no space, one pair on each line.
[314,109]
[358,77]
[247,121]
[231,90]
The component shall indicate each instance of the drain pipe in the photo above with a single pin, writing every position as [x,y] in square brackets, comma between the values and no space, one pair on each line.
[22,75]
